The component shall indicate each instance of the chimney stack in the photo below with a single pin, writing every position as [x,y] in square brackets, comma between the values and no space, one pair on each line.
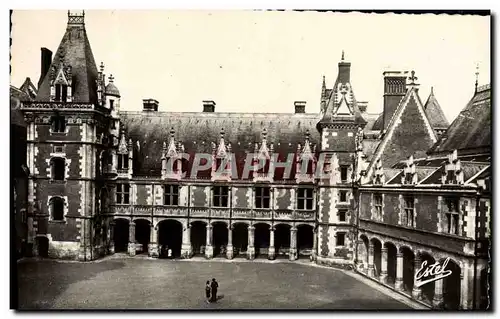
[362,106]
[344,71]
[150,105]
[394,91]
[208,106]
[300,107]
[45,63]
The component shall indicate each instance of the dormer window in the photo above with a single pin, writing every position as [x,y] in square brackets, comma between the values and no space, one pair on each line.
[61,93]
[122,161]
[58,124]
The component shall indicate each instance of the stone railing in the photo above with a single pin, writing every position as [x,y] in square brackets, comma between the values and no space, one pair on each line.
[262,213]
[120,209]
[142,209]
[170,211]
[220,212]
[57,105]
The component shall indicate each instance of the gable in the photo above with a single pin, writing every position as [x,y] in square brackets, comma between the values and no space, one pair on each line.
[409,133]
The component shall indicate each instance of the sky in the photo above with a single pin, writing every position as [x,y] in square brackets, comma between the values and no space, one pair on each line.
[256,61]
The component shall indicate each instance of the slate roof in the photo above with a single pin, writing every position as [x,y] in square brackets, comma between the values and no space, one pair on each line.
[471,129]
[378,125]
[74,50]
[17,96]
[198,130]
[435,113]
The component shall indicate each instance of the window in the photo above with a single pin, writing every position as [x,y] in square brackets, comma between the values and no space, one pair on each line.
[262,197]
[61,92]
[57,208]
[343,174]
[340,239]
[111,102]
[122,161]
[377,203]
[58,124]
[409,209]
[263,166]
[452,216]
[305,198]
[57,168]
[343,196]
[342,215]
[171,195]
[58,92]
[122,193]
[220,196]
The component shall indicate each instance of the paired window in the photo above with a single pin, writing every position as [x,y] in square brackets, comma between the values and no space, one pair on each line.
[377,204]
[61,92]
[343,196]
[340,239]
[220,196]
[122,193]
[305,198]
[262,197]
[57,168]
[452,216]
[122,161]
[171,195]
[58,124]
[343,173]
[57,208]
[408,211]
[342,215]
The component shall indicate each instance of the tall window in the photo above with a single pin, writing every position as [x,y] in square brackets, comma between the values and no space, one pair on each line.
[111,104]
[377,203]
[57,168]
[122,193]
[343,196]
[220,196]
[305,198]
[57,208]
[342,215]
[122,161]
[409,211]
[340,239]
[262,197]
[58,124]
[171,195]
[452,216]
[343,173]
[61,92]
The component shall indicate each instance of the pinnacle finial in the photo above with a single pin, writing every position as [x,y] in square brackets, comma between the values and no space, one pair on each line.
[307,135]
[432,90]
[413,78]
[172,132]
[264,133]
[477,75]
[222,133]
[102,67]
[111,78]
[342,55]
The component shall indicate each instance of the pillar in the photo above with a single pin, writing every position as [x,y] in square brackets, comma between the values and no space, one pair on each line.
[111,238]
[271,254]
[417,291]
[293,244]
[399,271]
[153,242]
[437,302]
[383,266]
[371,272]
[209,249]
[464,303]
[131,238]
[186,249]
[315,245]
[230,249]
[251,247]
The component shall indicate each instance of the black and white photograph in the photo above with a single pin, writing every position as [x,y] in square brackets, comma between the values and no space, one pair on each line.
[173,159]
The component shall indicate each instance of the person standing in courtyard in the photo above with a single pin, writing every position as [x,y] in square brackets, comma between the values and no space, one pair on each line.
[214,286]
[208,291]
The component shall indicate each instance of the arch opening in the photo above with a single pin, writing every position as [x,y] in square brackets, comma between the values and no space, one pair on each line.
[240,239]
[198,237]
[305,241]
[262,240]
[282,240]
[121,235]
[170,237]
[142,235]
[220,238]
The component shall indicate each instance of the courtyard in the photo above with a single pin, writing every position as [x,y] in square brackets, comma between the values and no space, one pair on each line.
[142,283]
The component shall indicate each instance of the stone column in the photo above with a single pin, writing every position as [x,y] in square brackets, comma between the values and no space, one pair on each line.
[111,238]
[230,249]
[399,271]
[153,242]
[186,250]
[131,238]
[383,266]
[464,291]
[293,244]
[417,291]
[251,247]
[437,302]
[271,254]
[371,272]
[209,249]
[315,245]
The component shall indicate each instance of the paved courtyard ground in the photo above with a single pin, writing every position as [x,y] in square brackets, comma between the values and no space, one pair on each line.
[139,283]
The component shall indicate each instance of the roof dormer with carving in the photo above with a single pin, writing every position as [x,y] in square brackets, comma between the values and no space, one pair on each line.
[221,159]
[306,161]
[453,173]
[172,158]
[61,80]
[378,177]
[262,158]
[409,176]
